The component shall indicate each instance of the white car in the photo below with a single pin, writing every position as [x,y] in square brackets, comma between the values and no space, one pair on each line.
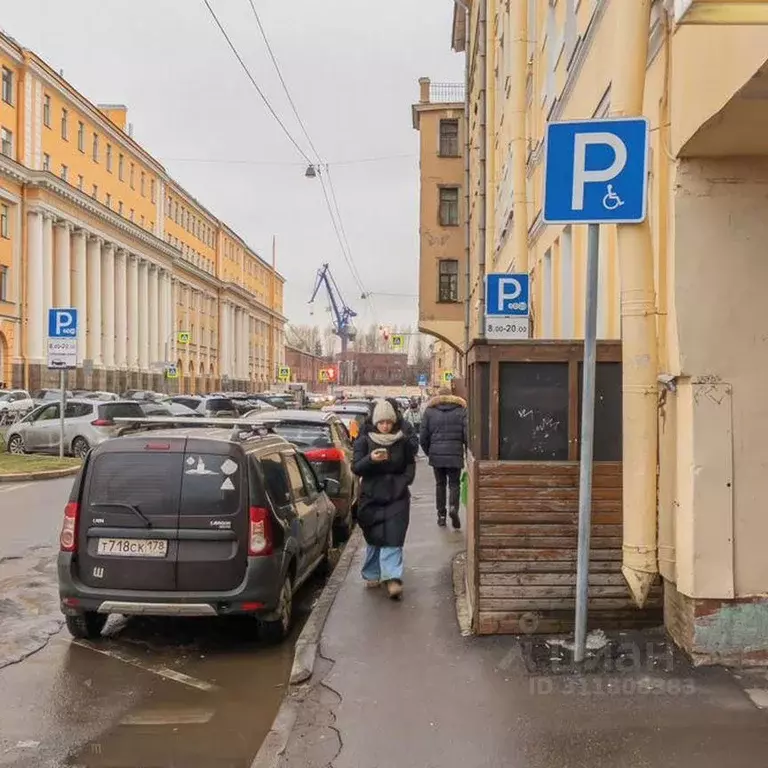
[13,401]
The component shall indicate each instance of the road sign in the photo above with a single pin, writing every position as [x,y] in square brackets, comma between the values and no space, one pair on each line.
[284,373]
[448,377]
[182,337]
[423,379]
[62,353]
[171,372]
[506,295]
[397,341]
[507,328]
[596,171]
[62,323]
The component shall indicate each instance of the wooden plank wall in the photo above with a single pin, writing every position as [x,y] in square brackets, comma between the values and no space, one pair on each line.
[525,544]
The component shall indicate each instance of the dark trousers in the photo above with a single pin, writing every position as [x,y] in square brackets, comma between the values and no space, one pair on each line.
[451,477]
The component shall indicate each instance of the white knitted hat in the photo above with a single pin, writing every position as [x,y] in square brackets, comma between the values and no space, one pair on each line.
[383,411]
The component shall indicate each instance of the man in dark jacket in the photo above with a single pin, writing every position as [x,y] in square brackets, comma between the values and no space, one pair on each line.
[443,438]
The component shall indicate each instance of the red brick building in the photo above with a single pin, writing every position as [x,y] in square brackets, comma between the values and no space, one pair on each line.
[377,368]
[306,368]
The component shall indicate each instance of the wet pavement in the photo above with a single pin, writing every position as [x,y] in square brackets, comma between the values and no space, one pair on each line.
[151,693]
[399,686]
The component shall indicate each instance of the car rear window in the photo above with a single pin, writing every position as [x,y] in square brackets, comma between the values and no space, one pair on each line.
[148,482]
[211,484]
[215,404]
[120,411]
[306,435]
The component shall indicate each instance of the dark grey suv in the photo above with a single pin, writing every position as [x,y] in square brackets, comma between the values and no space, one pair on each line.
[192,522]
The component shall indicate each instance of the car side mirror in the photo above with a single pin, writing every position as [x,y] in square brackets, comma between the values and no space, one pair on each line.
[332,487]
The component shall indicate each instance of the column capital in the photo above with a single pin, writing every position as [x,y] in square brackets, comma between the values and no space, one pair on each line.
[94,238]
[110,247]
[64,224]
[132,257]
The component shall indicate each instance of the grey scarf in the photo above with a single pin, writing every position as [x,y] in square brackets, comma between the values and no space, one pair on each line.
[385,440]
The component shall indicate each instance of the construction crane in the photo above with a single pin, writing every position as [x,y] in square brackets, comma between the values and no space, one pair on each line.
[342,314]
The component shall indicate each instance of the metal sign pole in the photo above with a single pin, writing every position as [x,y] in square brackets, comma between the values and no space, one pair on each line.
[587,442]
[62,408]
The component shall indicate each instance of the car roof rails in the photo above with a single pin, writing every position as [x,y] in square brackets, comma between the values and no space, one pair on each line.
[241,428]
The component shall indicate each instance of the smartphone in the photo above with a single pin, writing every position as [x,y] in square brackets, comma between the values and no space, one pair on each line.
[381,453]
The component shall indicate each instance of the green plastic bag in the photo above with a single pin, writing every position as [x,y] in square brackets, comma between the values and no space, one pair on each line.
[464,487]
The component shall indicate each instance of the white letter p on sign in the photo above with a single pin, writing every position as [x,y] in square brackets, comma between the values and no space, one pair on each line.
[581,176]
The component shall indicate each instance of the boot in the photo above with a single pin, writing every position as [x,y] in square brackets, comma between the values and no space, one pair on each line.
[441,519]
[394,589]
[455,520]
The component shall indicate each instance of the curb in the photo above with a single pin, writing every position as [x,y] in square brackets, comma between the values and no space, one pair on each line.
[50,474]
[305,654]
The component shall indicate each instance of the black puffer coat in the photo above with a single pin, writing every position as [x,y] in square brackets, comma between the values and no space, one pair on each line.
[384,507]
[443,431]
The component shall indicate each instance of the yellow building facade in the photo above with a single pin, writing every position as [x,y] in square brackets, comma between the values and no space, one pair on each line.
[684,291]
[89,219]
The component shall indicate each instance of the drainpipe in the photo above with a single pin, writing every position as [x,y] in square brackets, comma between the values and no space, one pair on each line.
[519,138]
[638,315]
[482,44]
[467,182]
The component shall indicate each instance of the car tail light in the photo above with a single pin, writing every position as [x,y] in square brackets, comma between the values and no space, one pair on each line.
[325,454]
[260,532]
[68,538]
[157,447]
[103,423]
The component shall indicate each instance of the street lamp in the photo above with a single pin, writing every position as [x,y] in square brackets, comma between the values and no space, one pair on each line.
[310,173]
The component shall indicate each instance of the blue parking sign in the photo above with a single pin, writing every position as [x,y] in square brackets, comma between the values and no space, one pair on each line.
[62,323]
[506,295]
[596,171]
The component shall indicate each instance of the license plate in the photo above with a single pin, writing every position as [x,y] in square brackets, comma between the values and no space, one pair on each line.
[132,547]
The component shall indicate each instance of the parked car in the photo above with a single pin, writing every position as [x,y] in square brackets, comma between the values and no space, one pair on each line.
[325,441]
[105,397]
[352,415]
[48,395]
[192,522]
[87,423]
[14,401]
[141,394]
[260,407]
[168,408]
[212,407]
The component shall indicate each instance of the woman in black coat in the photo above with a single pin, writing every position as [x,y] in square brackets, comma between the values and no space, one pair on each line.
[385,460]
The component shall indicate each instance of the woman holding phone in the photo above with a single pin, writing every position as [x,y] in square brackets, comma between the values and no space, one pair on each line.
[385,461]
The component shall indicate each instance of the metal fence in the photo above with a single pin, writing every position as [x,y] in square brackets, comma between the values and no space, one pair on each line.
[446,93]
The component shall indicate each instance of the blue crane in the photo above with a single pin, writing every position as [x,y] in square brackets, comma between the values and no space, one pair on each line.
[342,314]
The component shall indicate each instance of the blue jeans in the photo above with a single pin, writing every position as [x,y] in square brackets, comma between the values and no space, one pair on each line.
[383,563]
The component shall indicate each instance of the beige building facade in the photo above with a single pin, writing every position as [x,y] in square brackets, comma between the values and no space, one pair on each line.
[684,291]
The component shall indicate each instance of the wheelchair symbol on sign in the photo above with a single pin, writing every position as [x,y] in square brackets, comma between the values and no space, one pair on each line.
[612,201]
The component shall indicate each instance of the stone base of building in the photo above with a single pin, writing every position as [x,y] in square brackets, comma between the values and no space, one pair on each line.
[729,632]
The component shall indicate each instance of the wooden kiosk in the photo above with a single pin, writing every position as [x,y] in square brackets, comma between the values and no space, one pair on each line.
[522,511]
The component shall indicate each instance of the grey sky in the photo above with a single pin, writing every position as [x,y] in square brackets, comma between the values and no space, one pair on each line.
[352,67]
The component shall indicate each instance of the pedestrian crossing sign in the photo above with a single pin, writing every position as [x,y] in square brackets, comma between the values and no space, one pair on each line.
[448,377]
[182,337]
[397,341]
[284,373]
[171,372]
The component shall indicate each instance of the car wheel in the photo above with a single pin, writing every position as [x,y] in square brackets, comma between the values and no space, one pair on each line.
[80,447]
[16,445]
[277,627]
[86,626]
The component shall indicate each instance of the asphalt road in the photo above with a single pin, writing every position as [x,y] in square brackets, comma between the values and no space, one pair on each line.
[152,692]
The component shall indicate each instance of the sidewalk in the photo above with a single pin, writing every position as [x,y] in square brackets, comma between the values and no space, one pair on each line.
[398,687]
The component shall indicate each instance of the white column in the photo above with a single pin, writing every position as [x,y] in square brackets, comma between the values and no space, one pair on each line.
[121,309]
[163,329]
[62,264]
[133,312]
[93,302]
[143,315]
[234,356]
[108,290]
[172,291]
[222,340]
[154,315]
[35,308]
[47,264]
[246,345]
[80,290]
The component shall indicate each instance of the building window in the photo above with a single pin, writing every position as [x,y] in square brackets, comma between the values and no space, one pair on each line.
[80,182]
[47,111]
[121,167]
[81,135]
[449,138]
[108,200]
[95,147]
[7,86]
[4,227]
[152,192]
[120,207]
[449,206]
[64,173]
[143,184]
[3,283]
[65,125]
[449,280]
[109,158]
[6,142]
[132,176]
[95,192]
[46,161]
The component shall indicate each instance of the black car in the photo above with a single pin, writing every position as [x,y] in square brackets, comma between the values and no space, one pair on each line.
[325,441]
[192,522]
